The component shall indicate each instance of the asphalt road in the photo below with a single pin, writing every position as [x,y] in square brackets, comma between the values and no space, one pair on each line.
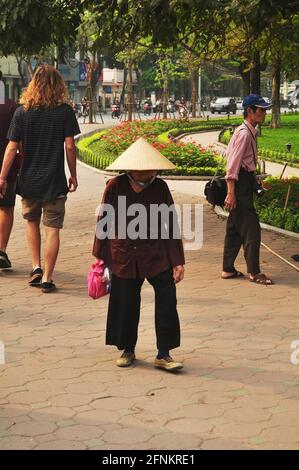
[108,119]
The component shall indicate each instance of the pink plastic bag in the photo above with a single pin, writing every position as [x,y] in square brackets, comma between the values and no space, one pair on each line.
[97,282]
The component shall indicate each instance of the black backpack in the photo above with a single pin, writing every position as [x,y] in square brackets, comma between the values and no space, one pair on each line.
[216,191]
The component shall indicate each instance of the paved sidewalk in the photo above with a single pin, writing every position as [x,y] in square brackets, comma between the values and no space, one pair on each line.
[60,389]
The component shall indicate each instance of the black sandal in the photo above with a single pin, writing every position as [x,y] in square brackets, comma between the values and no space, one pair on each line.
[48,287]
[36,276]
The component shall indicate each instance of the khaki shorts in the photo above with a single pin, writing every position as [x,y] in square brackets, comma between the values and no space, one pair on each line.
[53,211]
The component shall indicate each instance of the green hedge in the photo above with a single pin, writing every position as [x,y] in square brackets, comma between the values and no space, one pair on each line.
[97,160]
[270,207]
[102,148]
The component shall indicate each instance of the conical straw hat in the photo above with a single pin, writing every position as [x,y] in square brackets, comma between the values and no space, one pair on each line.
[141,156]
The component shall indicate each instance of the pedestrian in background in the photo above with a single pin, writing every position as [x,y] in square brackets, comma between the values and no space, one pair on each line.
[44,125]
[7,203]
[243,226]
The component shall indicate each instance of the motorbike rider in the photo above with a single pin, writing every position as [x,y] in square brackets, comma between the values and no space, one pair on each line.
[183,111]
[147,106]
[158,106]
[115,108]
[170,105]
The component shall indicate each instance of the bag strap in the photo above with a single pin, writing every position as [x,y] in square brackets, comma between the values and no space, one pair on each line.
[255,157]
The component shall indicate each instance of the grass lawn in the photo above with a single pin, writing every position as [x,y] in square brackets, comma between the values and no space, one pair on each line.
[276,139]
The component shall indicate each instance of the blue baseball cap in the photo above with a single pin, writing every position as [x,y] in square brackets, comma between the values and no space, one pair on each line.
[255,100]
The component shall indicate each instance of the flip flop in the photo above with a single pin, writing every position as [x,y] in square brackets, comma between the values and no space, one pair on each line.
[234,276]
[261,279]
[35,277]
[47,287]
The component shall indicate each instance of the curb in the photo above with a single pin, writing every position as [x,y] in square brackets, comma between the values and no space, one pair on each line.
[271,228]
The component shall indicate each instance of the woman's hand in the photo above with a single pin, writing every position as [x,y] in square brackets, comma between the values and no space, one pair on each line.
[178,273]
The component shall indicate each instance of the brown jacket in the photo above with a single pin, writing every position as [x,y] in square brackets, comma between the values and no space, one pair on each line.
[140,258]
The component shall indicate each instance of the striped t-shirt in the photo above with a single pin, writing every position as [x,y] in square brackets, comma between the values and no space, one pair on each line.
[42,132]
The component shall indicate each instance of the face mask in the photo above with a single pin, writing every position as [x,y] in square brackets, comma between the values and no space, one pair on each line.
[143,184]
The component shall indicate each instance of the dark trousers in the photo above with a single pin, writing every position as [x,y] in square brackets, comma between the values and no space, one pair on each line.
[243,227]
[124,312]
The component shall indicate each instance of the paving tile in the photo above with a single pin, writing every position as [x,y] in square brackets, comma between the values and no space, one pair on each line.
[126,436]
[60,388]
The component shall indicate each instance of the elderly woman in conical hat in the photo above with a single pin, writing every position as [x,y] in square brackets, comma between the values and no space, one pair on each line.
[137,248]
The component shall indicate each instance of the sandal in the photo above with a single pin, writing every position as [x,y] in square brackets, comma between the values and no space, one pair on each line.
[47,287]
[261,279]
[235,275]
[36,276]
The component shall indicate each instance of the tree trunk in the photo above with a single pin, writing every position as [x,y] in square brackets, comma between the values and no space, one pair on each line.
[30,70]
[194,93]
[245,74]
[139,90]
[130,89]
[255,74]
[122,96]
[165,91]
[276,72]
[20,70]
[90,88]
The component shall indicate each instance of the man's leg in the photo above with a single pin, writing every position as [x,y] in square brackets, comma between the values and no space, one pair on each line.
[53,217]
[51,252]
[6,223]
[251,243]
[34,241]
[232,245]
[32,213]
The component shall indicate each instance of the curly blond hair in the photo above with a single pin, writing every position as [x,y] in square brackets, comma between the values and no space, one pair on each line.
[46,89]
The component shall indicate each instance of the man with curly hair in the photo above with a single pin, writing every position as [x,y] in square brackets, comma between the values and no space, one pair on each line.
[44,126]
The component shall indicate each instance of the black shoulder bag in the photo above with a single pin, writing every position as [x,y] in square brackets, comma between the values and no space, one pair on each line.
[216,190]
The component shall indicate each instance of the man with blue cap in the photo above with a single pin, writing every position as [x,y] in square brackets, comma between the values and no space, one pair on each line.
[243,226]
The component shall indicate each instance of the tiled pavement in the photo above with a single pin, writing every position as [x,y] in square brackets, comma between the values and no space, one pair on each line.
[60,389]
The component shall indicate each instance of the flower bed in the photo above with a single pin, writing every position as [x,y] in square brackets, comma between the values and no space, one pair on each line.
[270,207]
[190,159]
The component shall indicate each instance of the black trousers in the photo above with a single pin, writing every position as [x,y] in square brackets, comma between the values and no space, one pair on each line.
[124,312]
[243,227]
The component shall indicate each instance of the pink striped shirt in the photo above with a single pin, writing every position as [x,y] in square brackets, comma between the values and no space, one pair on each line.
[241,151]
